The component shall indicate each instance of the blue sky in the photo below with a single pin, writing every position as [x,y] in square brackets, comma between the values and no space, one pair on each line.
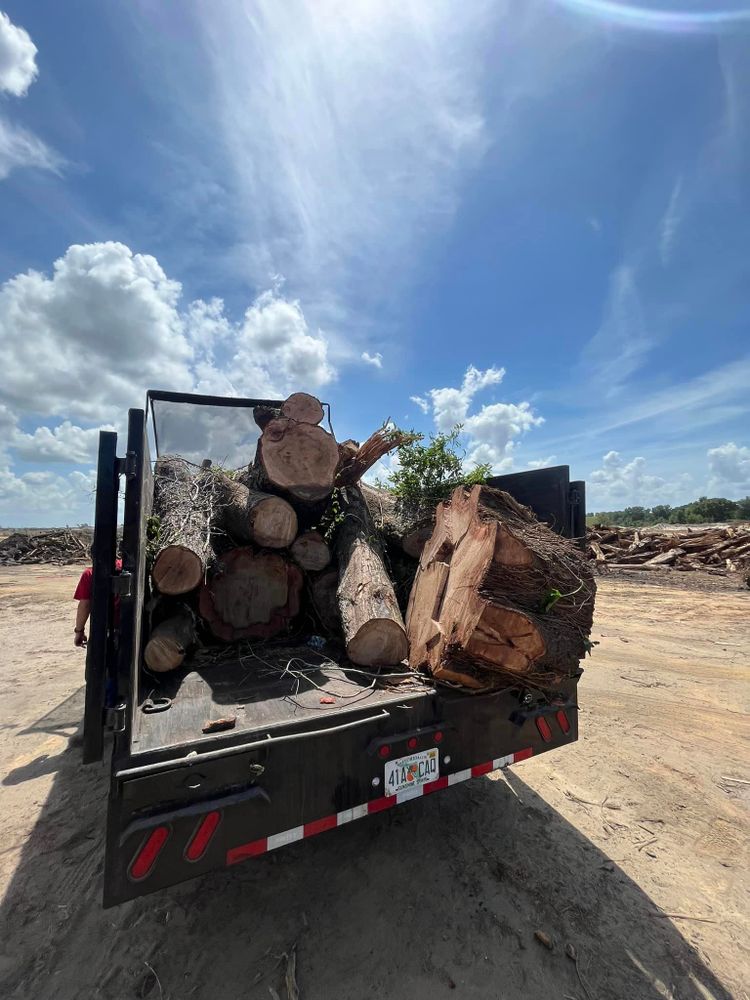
[530,217]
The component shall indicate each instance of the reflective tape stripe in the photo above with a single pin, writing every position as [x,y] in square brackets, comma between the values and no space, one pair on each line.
[256,847]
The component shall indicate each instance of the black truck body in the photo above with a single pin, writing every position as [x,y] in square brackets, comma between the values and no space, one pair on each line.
[183,803]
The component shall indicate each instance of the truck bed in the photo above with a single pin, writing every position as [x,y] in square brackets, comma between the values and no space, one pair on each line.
[263,690]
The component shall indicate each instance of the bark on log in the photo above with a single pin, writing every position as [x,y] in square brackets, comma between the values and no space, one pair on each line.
[250,594]
[323,589]
[298,458]
[482,608]
[311,551]
[182,503]
[169,642]
[371,621]
[251,516]
[408,525]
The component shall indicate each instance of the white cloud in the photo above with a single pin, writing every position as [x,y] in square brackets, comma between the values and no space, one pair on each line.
[20,148]
[45,498]
[64,443]
[376,359]
[622,341]
[17,58]
[450,406]
[542,463]
[620,484]
[670,223]
[729,467]
[422,403]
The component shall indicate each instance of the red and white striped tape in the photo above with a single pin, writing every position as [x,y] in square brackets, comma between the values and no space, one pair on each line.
[264,844]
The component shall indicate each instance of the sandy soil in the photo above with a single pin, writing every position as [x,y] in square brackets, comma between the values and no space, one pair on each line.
[600,845]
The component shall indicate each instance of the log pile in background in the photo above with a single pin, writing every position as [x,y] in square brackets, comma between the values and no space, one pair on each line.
[59,547]
[296,545]
[712,548]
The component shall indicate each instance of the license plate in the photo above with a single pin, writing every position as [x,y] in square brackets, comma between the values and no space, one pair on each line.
[411,772]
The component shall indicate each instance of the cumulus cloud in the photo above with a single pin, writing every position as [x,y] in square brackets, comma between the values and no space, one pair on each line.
[490,433]
[450,405]
[17,58]
[46,497]
[376,359]
[80,346]
[729,467]
[542,463]
[622,483]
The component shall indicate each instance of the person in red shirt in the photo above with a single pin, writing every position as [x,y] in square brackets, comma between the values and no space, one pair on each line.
[83,596]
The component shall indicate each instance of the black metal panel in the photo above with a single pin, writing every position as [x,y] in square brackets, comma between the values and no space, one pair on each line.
[98,652]
[578,509]
[202,400]
[545,491]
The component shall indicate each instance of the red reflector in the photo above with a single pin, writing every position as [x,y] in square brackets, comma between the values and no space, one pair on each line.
[200,839]
[412,743]
[562,721]
[544,730]
[384,751]
[146,858]
[438,737]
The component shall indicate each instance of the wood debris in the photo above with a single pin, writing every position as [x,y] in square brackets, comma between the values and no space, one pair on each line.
[716,549]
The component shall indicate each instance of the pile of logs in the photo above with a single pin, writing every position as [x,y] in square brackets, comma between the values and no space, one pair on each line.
[59,547]
[474,590]
[715,549]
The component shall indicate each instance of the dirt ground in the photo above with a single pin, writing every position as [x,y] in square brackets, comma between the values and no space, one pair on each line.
[632,846]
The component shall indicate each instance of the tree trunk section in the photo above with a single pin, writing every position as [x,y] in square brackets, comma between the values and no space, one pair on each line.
[250,594]
[298,458]
[483,609]
[251,516]
[303,407]
[370,617]
[323,589]
[311,551]
[182,504]
[169,643]
[408,525]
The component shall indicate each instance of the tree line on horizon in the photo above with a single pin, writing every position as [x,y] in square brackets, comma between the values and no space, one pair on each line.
[704,510]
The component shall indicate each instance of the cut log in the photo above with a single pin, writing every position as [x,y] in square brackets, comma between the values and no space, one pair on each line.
[664,558]
[251,516]
[355,463]
[498,595]
[323,589]
[311,551]
[170,642]
[250,594]
[298,458]
[182,506]
[371,621]
[303,407]
[408,525]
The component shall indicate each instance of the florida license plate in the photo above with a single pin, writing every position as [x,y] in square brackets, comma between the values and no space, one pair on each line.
[412,772]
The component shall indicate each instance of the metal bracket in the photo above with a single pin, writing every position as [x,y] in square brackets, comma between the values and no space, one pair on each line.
[114,718]
[122,584]
[127,466]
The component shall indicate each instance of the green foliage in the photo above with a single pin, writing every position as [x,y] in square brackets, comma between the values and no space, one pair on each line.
[332,517]
[704,510]
[432,471]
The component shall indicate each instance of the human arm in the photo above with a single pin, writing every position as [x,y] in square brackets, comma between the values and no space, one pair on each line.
[82,616]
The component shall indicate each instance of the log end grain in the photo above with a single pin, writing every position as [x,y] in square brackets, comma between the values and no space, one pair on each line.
[311,551]
[379,642]
[274,523]
[299,458]
[303,407]
[177,570]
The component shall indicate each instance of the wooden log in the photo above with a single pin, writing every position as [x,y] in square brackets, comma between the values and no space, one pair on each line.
[407,525]
[250,594]
[371,621]
[298,458]
[169,642]
[182,504]
[323,589]
[354,464]
[252,516]
[303,407]
[311,551]
[498,595]
[664,558]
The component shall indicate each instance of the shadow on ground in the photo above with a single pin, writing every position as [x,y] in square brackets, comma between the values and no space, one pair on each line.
[439,898]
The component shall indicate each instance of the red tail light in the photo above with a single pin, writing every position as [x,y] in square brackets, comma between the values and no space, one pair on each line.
[202,836]
[412,743]
[562,721]
[384,751]
[544,730]
[438,737]
[145,859]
